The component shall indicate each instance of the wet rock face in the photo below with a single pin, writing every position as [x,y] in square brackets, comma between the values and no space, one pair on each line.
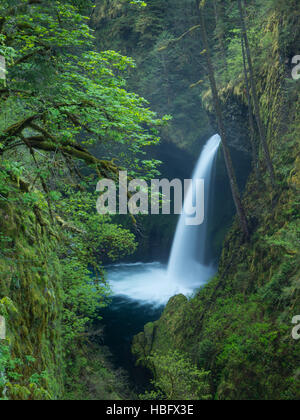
[143,342]
[161,335]
[107,9]
[236,117]
[236,120]
[30,294]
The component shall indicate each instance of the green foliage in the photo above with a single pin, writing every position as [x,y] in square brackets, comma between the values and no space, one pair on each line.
[162,76]
[62,101]
[85,291]
[139,3]
[12,384]
[238,326]
[177,378]
[80,96]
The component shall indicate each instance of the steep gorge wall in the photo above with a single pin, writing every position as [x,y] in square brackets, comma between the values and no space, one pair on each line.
[30,300]
[239,326]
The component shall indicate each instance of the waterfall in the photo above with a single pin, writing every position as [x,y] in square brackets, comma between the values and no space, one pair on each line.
[188,263]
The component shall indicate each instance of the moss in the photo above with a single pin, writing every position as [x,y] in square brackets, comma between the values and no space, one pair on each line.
[239,325]
[161,334]
[29,270]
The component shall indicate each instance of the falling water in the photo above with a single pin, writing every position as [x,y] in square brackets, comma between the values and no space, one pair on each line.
[188,264]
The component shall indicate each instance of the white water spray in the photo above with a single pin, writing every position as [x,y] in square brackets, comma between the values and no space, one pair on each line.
[187,263]
[188,266]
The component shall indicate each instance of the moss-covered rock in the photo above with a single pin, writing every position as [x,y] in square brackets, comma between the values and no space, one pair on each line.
[30,296]
[239,326]
[162,334]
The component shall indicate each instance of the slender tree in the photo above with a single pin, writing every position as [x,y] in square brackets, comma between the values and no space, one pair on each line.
[219,18]
[251,120]
[260,125]
[217,105]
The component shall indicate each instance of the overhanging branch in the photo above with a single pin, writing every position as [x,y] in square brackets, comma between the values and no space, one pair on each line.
[104,167]
[172,41]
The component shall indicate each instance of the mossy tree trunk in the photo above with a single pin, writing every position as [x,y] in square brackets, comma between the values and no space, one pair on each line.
[251,120]
[219,12]
[260,125]
[217,105]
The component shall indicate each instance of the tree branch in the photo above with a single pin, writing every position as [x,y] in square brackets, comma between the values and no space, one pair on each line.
[26,57]
[104,167]
[17,128]
[172,41]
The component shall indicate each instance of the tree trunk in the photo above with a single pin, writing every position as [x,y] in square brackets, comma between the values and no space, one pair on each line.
[229,165]
[220,34]
[251,121]
[260,125]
